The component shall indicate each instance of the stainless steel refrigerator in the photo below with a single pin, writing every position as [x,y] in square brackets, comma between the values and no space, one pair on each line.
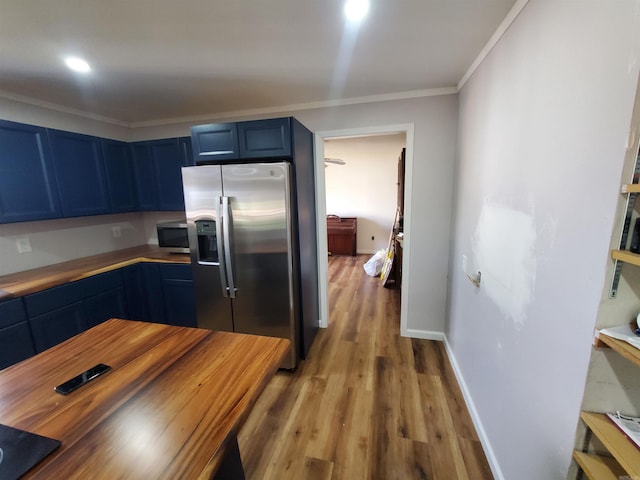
[242,240]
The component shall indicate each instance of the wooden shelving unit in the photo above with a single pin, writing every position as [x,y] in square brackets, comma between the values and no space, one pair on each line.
[630,188]
[625,453]
[599,467]
[623,348]
[626,257]
[625,459]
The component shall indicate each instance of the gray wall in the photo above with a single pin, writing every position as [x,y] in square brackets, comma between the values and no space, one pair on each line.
[543,126]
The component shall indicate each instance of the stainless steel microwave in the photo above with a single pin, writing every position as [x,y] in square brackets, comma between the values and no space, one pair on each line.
[173,237]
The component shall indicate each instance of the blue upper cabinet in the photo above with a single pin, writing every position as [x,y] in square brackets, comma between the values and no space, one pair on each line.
[168,160]
[80,173]
[265,138]
[28,189]
[187,151]
[218,141]
[145,176]
[120,172]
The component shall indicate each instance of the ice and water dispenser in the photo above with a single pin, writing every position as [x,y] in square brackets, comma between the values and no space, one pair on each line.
[207,241]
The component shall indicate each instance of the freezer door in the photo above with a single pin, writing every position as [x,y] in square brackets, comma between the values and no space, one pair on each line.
[202,199]
[261,248]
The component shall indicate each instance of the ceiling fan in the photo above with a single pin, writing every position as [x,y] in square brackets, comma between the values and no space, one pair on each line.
[336,161]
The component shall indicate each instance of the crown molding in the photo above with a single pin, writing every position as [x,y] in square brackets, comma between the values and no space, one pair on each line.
[61,108]
[431,92]
[497,35]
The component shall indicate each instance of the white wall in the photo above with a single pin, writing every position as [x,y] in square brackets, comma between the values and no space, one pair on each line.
[366,186]
[543,127]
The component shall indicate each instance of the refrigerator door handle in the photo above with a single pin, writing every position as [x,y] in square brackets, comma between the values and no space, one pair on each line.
[226,220]
[221,247]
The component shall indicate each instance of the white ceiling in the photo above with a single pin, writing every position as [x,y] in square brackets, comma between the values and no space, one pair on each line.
[162,59]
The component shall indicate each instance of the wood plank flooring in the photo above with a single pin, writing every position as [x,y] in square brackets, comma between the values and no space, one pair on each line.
[366,403]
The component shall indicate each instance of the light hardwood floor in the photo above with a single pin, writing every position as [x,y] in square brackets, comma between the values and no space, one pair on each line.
[366,403]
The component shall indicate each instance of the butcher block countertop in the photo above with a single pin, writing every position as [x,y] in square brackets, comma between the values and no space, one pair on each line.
[169,408]
[38,279]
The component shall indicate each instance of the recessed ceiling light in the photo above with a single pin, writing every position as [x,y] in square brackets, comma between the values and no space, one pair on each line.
[356,10]
[77,64]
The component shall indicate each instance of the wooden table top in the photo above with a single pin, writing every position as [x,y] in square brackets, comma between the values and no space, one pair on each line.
[173,401]
[38,279]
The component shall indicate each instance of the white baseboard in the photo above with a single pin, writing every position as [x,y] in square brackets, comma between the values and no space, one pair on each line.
[424,334]
[482,434]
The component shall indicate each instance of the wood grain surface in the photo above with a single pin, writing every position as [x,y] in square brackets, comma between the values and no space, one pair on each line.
[173,401]
[366,404]
[38,279]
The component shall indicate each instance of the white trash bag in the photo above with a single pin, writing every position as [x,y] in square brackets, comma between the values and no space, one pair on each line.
[373,266]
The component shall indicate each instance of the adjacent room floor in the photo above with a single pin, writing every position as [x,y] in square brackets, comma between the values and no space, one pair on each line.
[366,403]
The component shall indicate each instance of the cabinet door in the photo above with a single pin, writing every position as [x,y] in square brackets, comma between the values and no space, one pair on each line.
[57,326]
[178,294]
[120,176]
[102,307]
[168,161]
[16,343]
[28,189]
[80,174]
[218,141]
[187,151]
[135,293]
[145,176]
[265,138]
[153,293]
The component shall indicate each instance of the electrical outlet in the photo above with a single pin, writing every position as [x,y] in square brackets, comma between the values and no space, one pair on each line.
[117,233]
[464,263]
[23,244]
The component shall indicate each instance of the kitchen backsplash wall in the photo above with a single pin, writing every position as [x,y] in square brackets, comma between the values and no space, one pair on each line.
[55,241]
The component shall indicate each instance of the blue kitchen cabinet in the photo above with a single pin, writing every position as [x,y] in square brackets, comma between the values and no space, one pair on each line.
[121,180]
[254,139]
[28,189]
[80,173]
[168,160]
[61,312]
[265,138]
[135,291]
[187,151]
[178,294]
[213,142]
[16,343]
[145,176]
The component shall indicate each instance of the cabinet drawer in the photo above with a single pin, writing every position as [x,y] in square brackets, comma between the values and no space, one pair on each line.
[176,272]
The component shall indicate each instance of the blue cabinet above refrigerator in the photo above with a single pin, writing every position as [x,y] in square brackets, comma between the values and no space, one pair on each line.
[256,139]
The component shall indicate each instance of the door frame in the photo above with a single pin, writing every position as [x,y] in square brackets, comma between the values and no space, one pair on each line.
[321,212]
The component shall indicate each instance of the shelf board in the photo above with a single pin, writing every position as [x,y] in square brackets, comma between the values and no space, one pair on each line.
[628,351]
[630,188]
[622,449]
[626,256]
[597,467]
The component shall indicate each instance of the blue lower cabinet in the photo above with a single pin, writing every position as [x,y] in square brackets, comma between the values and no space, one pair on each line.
[55,327]
[16,343]
[178,294]
[59,313]
[135,292]
[102,307]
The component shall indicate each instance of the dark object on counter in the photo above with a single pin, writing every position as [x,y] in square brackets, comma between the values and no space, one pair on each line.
[635,238]
[20,451]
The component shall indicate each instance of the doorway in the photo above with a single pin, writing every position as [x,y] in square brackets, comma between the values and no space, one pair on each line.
[366,244]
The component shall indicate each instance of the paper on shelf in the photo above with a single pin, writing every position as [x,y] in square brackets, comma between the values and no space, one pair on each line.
[624,333]
[630,426]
